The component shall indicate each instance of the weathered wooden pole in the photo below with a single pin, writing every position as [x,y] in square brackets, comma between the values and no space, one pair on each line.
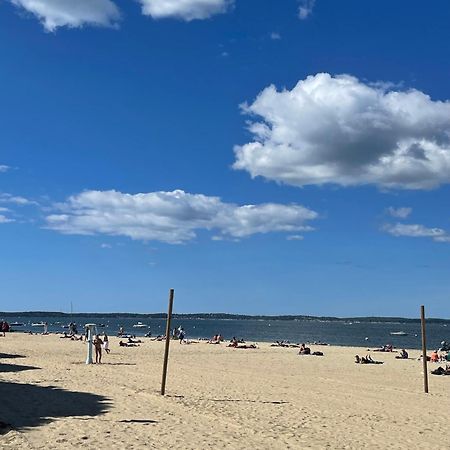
[166,350]
[424,349]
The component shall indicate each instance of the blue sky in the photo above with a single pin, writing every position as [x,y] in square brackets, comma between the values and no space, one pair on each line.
[142,147]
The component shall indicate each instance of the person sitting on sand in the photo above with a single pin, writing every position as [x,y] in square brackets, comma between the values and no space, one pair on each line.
[214,340]
[304,350]
[233,342]
[98,349]
[434,357]
[403,354]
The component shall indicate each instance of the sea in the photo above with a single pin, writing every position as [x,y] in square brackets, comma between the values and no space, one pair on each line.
[345,333]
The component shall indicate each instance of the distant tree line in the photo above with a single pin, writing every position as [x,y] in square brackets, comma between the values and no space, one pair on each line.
[217,316]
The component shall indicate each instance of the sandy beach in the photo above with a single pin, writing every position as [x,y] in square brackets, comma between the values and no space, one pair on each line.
[217,397]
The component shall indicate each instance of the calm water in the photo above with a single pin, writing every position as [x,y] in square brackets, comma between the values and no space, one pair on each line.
[337,333]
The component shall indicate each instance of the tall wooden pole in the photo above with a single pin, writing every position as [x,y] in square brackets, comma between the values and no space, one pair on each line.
[424,349]
[166,350]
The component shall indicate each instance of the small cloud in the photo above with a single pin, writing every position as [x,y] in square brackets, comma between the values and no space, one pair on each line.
[275,36]
[152,264]
[306,8]
[4,219]
[416,231]
[4,168]
[225,54]
[186,10]
[400,213]
[17,200]
[71,13]
[106,246]
[295,237]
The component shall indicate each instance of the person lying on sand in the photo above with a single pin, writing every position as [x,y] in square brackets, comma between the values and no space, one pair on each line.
[246,346]
[126,344]
[366,360]
[130,341]
[441,371]
[384,348]
[281,344]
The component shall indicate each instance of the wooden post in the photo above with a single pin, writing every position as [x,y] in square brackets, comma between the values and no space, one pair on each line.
[166,350]
[424,349]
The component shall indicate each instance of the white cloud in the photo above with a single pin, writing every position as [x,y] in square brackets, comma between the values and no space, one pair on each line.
[184,9]
[401,213]
[71,13]
[4,219]
[340,130]
[172,217]
[17,200]
[275,36]
[416,230]
[295,237]
[4,168]
[106,246]
[306,8]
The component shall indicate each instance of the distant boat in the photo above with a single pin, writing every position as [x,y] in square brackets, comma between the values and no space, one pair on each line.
[398,333]
[140,325]
[102,325]
[38,324]
[17,324]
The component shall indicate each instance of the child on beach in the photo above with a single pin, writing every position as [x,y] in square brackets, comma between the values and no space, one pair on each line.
[98,349]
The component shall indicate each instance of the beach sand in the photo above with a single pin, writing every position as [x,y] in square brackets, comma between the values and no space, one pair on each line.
[217,397]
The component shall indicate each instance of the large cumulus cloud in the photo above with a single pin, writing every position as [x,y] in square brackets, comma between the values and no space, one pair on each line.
[172,217]
[340,130]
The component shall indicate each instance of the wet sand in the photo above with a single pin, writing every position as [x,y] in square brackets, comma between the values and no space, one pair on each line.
[217,397]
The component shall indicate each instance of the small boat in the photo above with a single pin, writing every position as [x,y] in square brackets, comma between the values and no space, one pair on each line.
[17,324]
[398,333]
[101,325]
[140,325]
[38,324]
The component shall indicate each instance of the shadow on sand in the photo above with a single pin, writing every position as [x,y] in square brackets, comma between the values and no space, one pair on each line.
[10,356]
[15,368]
[27,405]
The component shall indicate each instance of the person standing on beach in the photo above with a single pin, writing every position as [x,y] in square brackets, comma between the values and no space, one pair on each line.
[98,349]
[181,334]
[106,343]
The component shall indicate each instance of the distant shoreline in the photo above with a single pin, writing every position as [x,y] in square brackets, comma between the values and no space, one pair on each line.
[220,316]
